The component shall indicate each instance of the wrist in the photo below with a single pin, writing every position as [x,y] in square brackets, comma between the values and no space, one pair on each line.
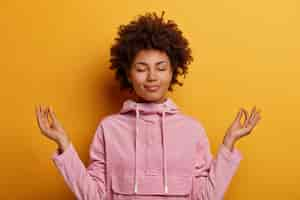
[229,142]
[63,144]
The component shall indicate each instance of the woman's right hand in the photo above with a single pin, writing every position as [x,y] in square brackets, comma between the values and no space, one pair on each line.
[50,126]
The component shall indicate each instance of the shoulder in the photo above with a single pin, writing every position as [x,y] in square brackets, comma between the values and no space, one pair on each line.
[103,123]
[192,124]
[192,121]
[114,120]
[108,119]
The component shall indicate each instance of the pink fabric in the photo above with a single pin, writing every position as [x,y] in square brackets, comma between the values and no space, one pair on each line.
[149,151]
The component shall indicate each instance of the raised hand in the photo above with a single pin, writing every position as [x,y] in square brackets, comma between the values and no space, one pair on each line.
[50,126]
[238,130]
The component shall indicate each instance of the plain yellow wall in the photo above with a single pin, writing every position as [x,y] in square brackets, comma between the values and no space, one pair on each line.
[56,53]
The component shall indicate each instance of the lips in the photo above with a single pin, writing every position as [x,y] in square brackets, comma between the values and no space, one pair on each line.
[152,88]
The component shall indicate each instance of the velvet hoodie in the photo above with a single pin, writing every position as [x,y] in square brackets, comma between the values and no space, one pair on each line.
[149,151]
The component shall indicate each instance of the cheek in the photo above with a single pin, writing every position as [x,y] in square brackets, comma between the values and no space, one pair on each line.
[167,78]
[139,79]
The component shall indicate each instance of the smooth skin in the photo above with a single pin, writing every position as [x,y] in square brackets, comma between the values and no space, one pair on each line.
[51,127]
[149,68]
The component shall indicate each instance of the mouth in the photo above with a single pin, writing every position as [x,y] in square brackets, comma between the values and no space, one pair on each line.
[152,88]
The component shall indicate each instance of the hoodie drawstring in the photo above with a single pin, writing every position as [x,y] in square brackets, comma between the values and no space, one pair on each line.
[164,150]
[136,133]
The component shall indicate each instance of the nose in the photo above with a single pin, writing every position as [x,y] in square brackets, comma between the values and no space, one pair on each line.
[152,75]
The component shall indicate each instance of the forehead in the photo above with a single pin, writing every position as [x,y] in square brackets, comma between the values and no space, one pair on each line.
[151,55]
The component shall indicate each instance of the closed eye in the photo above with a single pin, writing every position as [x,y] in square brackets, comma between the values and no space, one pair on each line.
[140,70]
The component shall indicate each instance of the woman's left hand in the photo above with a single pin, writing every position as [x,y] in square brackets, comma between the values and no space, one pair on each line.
[238,130]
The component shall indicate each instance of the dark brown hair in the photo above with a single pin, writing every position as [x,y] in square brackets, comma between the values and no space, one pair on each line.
[149,32]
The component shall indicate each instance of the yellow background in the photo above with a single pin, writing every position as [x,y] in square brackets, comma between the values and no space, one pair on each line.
[56,53]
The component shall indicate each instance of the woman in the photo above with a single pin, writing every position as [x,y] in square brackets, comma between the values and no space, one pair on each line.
[150,149]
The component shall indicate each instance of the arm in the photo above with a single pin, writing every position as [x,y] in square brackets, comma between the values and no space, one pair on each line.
[212,176]
[86,183]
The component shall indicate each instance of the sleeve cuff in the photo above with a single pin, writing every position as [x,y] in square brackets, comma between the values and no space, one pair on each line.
[231,156]
[67,154]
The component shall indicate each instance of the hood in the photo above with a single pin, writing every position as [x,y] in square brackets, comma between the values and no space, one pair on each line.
[168,106]
[144,111]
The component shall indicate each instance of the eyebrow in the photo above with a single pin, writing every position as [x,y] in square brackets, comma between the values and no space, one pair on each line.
[143,63]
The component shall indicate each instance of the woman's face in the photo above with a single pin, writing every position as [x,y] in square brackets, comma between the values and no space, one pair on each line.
[150,75]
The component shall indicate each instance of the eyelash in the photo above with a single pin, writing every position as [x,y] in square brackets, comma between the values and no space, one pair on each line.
[144,70]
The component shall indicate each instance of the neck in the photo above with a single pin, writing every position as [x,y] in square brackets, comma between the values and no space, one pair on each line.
[141,100]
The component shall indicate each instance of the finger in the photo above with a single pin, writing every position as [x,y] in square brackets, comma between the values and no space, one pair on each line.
[251,118]
[36,109]
[44,117]
[46,111]
[43,109]
[37,114]
[253,111]
[246,117]
[238,116]
[257,114]
[53,116]
[39,108]
[40,119]
[48,115]
[41,113]
[255,120]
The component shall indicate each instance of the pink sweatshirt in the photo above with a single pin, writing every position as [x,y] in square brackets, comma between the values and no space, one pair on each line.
[149,151]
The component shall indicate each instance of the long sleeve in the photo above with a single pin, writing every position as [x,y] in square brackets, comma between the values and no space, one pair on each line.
[212,176]
[86,183]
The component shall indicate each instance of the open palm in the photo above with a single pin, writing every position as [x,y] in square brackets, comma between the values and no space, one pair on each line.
[238,130]
[48,123]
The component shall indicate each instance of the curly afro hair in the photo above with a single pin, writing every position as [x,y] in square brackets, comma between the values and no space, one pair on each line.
[149,32]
